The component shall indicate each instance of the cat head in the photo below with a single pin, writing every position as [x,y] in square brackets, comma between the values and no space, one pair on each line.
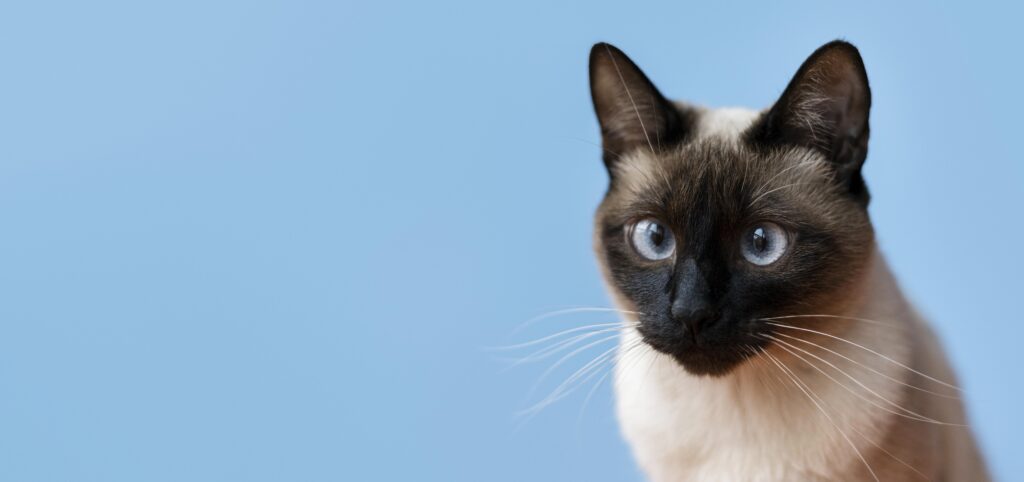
[716,219]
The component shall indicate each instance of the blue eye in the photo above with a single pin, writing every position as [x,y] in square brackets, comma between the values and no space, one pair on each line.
[764,243]
[652,240]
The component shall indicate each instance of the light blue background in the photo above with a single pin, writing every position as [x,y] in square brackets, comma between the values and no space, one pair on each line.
[268,241]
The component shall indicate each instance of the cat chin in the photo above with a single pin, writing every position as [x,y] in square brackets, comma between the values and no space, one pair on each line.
[709,367]
[701,360]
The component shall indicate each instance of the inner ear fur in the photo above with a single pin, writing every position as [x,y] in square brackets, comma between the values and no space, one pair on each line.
[630,109]
[826,107]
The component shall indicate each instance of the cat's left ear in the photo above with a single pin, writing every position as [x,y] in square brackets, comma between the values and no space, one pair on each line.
[826,107]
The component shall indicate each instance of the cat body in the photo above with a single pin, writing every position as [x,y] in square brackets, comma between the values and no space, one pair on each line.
[766,339]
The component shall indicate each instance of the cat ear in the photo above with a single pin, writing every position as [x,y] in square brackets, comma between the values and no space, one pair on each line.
[631,111]
[826,107]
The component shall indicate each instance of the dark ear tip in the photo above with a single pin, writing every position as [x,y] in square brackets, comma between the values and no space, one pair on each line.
[602,50]
[839,47]
[841,44]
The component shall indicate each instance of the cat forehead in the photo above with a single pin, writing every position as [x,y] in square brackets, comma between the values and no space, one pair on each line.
[715,162]
[727,124]
[715,143]
[717,156]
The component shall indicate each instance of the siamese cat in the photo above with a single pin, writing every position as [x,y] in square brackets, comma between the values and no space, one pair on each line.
[765,338]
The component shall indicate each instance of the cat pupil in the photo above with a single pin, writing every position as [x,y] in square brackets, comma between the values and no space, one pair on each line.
[760,240]
[657,234]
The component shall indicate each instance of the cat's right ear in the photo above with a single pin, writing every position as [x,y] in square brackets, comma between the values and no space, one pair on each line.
[631,111]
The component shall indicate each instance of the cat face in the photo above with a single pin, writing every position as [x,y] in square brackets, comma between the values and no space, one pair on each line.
[714,220]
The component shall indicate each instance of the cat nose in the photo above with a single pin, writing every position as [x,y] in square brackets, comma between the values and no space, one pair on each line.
[694,314]
[692,305]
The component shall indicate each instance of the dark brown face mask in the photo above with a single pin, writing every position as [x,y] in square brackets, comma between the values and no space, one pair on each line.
[706,234]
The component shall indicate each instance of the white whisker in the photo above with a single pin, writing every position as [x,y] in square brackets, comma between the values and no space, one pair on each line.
[566,357]
[759,190]
[890,454]
[563,390]
[754,201]
[629,94]
[560,346]
[866,367]
[851,318]
[799,384]
[865,349]
[567,311]
[872,442]
[912,415]
[556,335]
[586,401]
[636,110]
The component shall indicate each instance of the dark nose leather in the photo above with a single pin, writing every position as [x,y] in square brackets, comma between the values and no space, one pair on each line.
[692,306]
[695,316]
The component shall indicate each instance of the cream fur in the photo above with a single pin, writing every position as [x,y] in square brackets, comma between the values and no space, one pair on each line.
[727,122]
